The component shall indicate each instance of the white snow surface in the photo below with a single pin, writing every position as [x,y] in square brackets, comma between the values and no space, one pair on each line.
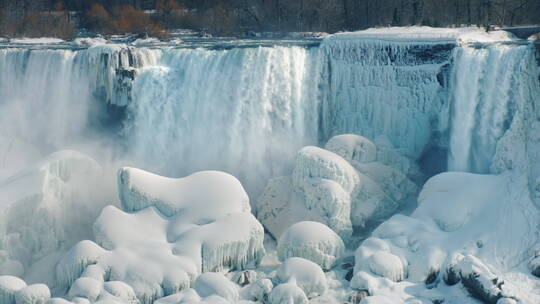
[312,241]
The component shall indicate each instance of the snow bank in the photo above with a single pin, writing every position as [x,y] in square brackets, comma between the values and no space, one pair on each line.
[49,207]
[306,274]
[350,184]
[312,241]
[178,229]
[464,229]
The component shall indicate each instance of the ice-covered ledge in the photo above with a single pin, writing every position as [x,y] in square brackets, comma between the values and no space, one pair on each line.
[425,34]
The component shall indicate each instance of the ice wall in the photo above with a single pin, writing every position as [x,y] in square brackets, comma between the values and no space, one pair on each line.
[394,88]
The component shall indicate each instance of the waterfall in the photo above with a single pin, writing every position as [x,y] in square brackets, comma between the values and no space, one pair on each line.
[487,83]
[245,111]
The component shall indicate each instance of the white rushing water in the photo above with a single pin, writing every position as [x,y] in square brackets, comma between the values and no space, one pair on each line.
[487,83]
[245,111]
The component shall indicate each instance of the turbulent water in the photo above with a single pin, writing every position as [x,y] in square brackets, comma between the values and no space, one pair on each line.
[248,110]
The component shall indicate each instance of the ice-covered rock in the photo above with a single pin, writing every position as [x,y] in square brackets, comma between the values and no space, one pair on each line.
[76,260]
[212,283]
[57,301]
[374,256]
[319,190]
[306,274]
[120,291]
[258,291]
[287,293]
[178,229]
[313,241]
[49,207]
[353,148]
[33,294]
[85,288]
[342,187]
[9,286]
[185,296]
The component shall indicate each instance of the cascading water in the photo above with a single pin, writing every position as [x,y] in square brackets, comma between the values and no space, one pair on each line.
[487,83]
[245,111]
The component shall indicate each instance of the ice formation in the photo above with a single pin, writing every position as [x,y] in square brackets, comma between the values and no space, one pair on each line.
[211,283]
[177,229]
[344,188]
[313,241]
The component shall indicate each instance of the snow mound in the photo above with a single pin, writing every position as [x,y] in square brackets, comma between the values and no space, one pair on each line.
[212,283]
[33,294]
[190,296]
[313,241]
[36,202]
[9,286]
[464,230]
[352,184]
[178,229]
[374,256]
[306,274]
[218,192]
[287,293]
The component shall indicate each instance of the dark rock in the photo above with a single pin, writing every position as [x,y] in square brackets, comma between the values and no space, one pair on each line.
[477,286]
[432,279]
[349,275]
[245,277]
[357,296]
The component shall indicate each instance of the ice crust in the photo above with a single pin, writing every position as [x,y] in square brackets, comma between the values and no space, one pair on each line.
[177,229]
